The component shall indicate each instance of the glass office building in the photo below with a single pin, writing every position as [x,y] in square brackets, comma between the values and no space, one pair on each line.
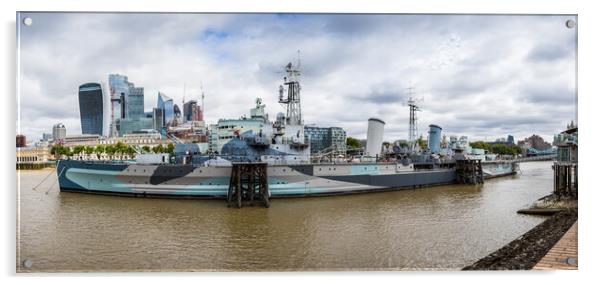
[127,100]
[91,108]
[135,103]
[327,139]
[119,89]
[130,126]
[165,103]
[158,119]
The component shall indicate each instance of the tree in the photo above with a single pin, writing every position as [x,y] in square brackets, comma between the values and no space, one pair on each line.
[170,148]
[78,149]
[89,149]
[58,150]
[146,149]
[100,149]
[482,145]
[353,143]
[110,149]
[130,151]
[158,148]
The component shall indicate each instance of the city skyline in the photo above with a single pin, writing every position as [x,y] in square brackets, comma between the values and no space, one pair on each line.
[481,76]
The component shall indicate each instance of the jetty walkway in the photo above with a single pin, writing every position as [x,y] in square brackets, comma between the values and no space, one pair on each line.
[563,255]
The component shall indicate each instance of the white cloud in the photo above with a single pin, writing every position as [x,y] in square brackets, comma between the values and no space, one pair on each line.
[483,76]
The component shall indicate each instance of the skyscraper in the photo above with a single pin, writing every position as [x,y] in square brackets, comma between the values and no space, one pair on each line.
[91,108]
[166,104]
[158,119]
[189,108]
[120,89]
[135,103]
[127,101]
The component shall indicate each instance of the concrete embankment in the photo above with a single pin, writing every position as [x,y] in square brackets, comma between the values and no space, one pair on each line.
[527,250]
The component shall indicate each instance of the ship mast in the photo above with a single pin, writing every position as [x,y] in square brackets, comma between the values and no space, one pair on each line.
[413,126]
[292,98]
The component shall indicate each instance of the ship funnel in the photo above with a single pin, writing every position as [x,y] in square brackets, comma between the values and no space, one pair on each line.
[435,138]
[374,143]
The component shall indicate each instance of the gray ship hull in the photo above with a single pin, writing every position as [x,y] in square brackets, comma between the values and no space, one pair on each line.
[187,181]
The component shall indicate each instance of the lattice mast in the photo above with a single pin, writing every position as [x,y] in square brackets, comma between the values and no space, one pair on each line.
[292,98]
[413,123]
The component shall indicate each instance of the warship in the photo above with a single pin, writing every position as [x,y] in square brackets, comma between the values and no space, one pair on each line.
[282,146]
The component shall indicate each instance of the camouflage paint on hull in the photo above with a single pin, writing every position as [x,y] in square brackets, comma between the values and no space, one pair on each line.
[212,181]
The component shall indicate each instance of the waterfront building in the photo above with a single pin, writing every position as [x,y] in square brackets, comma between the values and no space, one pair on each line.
[145,137]
[331,139]
[566,143]
[82,140]
[166,104]
[32,155]
[46,137]
[565,166]
[59,132]
[91,109]
[21,141]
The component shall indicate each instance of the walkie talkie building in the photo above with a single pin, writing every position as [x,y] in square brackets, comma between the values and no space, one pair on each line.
[91,108]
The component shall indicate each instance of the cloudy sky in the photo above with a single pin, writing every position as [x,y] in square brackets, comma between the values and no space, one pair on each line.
[483,76]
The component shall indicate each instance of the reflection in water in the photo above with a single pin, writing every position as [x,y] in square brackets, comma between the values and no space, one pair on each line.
[442,227]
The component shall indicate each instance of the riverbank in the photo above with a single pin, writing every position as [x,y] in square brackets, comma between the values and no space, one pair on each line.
[527,250]
[550,205]
[35,165]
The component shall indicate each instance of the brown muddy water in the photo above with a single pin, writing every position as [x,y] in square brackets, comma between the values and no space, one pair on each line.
[445,227]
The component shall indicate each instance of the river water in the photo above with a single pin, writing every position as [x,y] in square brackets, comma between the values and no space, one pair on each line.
[445,227]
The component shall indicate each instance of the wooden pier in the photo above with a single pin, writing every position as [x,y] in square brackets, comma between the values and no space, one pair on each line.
[565,179]
[469,171]
[248,184]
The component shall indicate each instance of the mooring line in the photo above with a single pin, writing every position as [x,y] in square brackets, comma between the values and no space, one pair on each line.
[44,179]
[58,177]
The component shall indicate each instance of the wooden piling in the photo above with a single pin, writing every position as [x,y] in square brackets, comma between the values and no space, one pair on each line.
[469,171]
[565,179]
